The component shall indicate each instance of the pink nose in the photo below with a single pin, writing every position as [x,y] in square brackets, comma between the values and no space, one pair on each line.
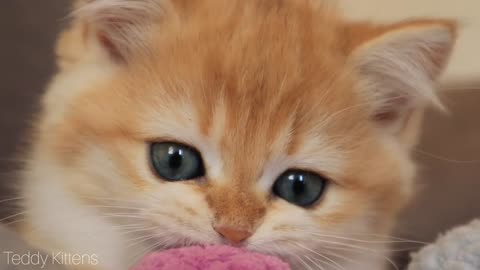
[233,235]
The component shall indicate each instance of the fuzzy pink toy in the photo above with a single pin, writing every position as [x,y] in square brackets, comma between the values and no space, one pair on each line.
[210,258]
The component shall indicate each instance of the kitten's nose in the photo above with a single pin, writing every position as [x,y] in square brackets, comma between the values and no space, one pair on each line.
[233,235]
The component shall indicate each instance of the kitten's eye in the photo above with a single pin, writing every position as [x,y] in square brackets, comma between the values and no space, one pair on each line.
[175,162]
[300,187]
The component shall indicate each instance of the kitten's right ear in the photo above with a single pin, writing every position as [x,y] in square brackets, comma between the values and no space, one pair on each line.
[400,65]
[120,27]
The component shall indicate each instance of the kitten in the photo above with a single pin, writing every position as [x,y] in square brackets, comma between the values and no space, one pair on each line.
[273,125]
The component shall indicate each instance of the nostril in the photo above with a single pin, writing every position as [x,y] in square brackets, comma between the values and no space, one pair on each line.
[232,234]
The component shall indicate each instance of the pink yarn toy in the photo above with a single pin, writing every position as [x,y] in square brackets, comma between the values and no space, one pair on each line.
[210,258]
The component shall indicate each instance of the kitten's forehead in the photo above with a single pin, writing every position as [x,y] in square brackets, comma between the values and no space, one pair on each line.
[253,130]
[245,90]
[257,85]
[250,133]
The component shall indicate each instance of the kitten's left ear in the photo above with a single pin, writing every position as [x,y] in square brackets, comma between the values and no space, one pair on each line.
[120,27]
[399,65]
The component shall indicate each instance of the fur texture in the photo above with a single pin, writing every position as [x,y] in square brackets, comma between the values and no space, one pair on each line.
[257,87]
[458,248]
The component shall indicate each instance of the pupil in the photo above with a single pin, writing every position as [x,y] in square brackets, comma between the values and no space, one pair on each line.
[175,160]
[298,185]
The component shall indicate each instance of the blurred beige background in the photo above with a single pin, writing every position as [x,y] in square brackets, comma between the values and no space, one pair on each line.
[449,154]
[465,65]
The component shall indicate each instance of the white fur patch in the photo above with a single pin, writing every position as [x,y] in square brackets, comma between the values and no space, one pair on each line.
[59,218]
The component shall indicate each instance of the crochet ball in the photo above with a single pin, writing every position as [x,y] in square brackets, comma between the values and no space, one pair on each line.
[210,258]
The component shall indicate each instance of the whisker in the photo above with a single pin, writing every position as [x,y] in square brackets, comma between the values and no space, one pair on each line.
[431,155]
[302,261]
[345,258]
[142,239]
[316,264]
[10,223]
[102,198]
[12,199]
[338,113]
[12,216]
[137,256]
[366,251]
[369,241]
[115,207]
[352,247]
[125,216]
[137,230]
[137,225]
[282,251]
[385,239]
[335,264]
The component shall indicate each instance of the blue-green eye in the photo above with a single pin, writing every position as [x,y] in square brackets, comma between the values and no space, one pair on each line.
[300,187]
[176,162]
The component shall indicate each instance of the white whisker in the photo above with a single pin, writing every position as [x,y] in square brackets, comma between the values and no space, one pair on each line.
[315,263]
[12,199]
[13,215]
[333,263]
[366,251]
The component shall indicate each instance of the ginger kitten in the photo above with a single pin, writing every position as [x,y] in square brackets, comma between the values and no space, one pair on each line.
[274,125]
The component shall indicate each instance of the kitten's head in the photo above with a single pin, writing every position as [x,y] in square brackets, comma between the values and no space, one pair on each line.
[276,125]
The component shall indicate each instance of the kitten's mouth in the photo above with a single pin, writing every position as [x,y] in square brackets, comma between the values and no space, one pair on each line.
[183,242]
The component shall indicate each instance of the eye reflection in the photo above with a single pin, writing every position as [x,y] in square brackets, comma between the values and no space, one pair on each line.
[299,187]
[175,162]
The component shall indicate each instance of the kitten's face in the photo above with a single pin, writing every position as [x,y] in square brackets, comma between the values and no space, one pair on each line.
[256,106]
